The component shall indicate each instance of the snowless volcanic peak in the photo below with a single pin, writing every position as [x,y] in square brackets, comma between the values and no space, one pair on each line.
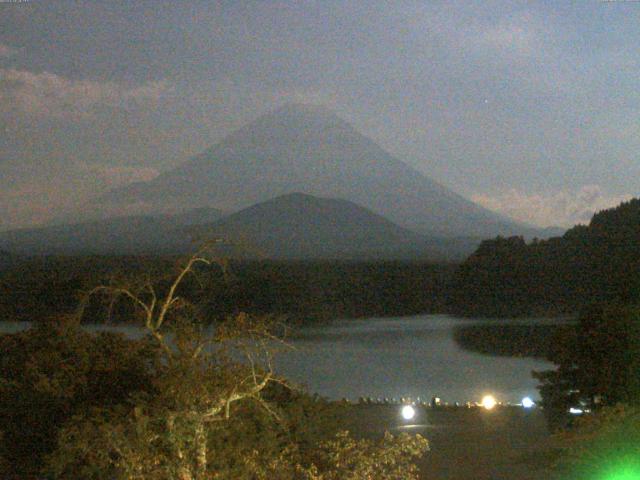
[298,225]
[309,149]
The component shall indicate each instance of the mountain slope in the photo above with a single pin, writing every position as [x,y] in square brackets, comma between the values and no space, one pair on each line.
[300,226]
[119,235]
[308,149]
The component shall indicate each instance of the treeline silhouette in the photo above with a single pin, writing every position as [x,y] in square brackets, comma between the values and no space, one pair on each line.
[598,263]
[300,291]
[535,341]
[504,277]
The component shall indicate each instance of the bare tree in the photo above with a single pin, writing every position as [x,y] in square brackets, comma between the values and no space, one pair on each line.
[206,369]
[206,377]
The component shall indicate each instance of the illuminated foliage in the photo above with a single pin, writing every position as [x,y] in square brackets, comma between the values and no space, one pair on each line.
[346,458]
[217,410]
[54,371]
[605,446]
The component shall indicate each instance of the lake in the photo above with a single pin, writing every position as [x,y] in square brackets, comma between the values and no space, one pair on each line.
[395,357]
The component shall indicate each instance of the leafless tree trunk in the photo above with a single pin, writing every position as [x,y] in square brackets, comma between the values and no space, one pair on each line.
[247,337]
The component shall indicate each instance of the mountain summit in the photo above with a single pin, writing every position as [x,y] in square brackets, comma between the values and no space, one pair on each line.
[300,226]
[302,148]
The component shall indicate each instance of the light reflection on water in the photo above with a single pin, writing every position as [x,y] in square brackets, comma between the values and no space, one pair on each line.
[394,357]
[405,357]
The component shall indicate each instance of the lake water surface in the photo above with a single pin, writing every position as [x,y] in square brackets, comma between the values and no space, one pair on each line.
[395,357]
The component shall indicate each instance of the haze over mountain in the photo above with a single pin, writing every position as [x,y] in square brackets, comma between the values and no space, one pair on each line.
[300,226]
[302,148]
[119,235]
[292,226]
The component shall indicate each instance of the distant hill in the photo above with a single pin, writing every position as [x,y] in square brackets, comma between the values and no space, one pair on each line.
[300,226]
[140,234]
[599,262]
[293,226]
[301,148]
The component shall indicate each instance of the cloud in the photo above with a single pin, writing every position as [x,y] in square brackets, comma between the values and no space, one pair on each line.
[514,35]
[41,200]
[24,205]
[50,95]
[7,51]
[112,176]
[511,37]
[533,53]
[553,209]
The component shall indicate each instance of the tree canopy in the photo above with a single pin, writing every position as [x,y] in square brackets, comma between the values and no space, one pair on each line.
[598,363]
[192,400]
[588,264]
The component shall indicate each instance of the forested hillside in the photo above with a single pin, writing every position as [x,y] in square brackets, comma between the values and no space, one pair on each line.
[588,264]
[300,291]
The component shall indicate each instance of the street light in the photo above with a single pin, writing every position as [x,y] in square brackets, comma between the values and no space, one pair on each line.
[488,402]
[528,403]
[408,412]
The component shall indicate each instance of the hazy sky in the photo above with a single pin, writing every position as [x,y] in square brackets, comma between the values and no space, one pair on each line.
[530,108]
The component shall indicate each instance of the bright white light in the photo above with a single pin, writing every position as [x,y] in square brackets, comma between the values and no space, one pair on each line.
[576,411]
[527,402]
[488,402]
[408,412]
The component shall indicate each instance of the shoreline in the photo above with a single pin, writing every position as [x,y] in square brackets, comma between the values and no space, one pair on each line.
[465,444]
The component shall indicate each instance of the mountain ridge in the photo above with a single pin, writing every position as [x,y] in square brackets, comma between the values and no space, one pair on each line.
[293,226]
[310,149]
[130,234]
[302,226]
[598,262]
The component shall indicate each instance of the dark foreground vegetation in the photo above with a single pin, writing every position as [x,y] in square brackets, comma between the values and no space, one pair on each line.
[178,404]
[598,363]
[597,376]
[183,402]
[593,270]
[101,406]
